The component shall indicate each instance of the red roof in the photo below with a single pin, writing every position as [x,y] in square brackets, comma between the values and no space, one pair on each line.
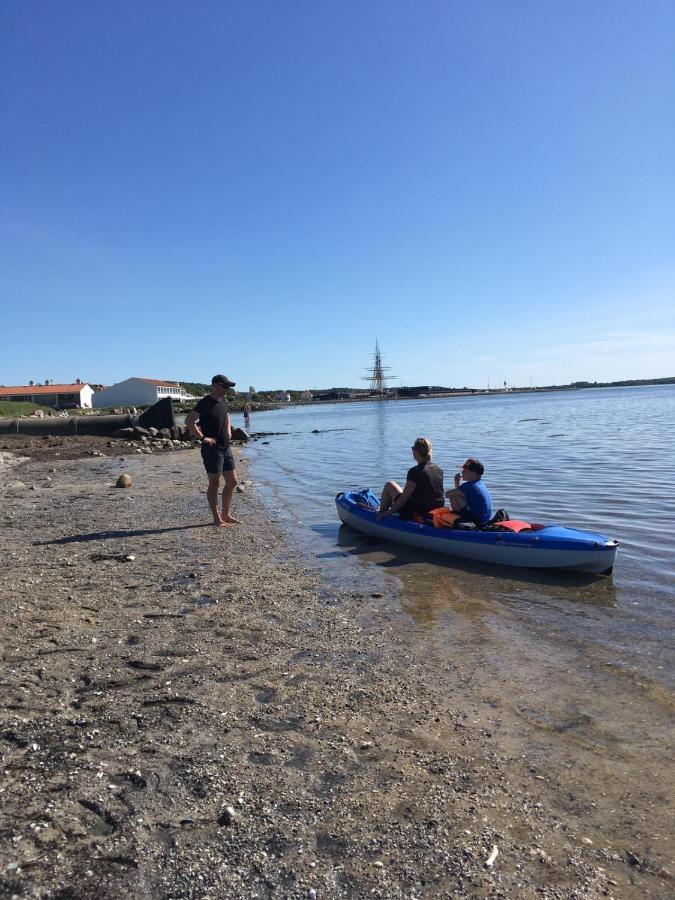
[160,383]
[42,389]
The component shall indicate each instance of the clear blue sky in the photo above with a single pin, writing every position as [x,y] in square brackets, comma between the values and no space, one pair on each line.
[263,188]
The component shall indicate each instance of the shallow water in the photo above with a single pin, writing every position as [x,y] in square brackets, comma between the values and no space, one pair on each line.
[599,459]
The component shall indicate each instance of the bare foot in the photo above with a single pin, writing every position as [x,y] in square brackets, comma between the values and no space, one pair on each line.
[230,520]
[219,523]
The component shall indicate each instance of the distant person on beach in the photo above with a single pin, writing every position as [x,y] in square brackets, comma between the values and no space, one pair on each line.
[469,497]
[423,489]
[209,422]
[247,414]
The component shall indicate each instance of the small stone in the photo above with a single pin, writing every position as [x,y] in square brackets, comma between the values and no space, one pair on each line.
[124,481]
[311,894]
[377,594]
[227,817]
[378,864]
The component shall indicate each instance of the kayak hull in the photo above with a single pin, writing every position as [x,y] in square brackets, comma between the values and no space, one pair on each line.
[547,547]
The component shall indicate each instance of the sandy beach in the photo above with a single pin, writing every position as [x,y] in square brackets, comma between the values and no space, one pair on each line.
[190,712]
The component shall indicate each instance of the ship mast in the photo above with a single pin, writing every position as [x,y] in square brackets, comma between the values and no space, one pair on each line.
[376,373]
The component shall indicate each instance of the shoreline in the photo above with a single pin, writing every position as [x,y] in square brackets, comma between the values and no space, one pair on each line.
[237,406]
[210,719]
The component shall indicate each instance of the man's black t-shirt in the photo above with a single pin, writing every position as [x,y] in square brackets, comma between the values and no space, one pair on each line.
[428,495]
[213,420]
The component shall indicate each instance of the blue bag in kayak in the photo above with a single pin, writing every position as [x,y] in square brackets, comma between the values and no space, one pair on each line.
[366,498]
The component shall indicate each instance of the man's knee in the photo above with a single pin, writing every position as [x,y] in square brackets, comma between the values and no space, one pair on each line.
[230,478]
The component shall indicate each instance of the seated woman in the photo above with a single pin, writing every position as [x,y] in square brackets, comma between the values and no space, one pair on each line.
[470,498]
[423,490]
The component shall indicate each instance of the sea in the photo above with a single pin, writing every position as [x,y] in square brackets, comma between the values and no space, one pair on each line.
[602,459]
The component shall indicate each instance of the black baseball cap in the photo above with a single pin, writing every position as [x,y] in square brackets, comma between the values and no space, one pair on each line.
[224,380]
[475,465]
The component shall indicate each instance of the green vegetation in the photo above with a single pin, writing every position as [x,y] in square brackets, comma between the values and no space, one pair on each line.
[634,383]
[9,409]
[195,388]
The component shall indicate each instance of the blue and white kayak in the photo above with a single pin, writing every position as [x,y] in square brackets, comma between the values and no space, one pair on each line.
[540,547]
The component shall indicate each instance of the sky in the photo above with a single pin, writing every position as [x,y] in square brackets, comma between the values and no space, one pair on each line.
[266,188]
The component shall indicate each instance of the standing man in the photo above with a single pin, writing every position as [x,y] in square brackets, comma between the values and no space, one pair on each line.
[209,422]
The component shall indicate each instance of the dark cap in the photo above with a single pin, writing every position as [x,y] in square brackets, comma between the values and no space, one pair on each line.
[224,380]
[475,465]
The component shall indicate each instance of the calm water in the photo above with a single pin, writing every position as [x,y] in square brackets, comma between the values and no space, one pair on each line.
[601,459]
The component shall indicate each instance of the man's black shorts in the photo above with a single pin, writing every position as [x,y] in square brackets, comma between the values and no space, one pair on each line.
[216,460]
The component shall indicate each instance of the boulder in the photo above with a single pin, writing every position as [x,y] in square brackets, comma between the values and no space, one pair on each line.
[124,481]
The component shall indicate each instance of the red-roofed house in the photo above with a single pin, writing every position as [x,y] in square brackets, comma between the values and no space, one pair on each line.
[139,392]
[56,395]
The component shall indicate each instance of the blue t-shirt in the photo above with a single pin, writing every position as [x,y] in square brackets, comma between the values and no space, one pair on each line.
[478,502]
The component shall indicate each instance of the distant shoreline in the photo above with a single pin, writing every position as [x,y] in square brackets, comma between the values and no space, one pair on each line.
[266,406]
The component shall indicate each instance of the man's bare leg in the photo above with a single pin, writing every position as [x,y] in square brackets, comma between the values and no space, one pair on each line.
[390,492]
[212,497]
[230,484]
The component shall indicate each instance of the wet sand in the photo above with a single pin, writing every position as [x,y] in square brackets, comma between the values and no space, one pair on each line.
[190,713]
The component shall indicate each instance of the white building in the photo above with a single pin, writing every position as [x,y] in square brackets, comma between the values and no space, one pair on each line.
[139,392]
[60,396]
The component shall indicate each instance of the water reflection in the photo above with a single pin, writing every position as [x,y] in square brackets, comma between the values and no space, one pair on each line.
[380,441]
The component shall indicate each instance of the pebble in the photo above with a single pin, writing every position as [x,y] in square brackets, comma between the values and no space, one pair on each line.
[227,817]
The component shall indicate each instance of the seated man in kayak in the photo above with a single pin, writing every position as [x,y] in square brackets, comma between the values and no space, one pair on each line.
[423,490]
[469,497]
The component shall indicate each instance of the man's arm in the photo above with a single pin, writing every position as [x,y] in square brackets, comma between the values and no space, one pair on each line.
[228,427]
[191,424]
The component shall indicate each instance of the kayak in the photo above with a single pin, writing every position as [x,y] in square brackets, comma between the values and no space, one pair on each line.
[536,547]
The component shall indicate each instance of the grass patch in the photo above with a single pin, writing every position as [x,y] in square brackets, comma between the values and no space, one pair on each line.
[9,409]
